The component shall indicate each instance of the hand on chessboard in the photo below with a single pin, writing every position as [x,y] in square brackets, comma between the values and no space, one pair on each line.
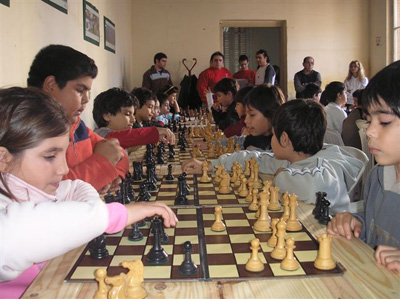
[346,225]
[140,210]
[389,257]
[193,166]
[166,135]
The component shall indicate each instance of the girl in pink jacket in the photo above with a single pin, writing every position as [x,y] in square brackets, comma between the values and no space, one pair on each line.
[41,216]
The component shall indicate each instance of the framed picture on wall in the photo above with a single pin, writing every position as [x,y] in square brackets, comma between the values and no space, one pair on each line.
[61,5]
[109,35]
[5,2]
[91,23]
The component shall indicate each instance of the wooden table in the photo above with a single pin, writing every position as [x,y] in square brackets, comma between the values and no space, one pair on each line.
[363,278]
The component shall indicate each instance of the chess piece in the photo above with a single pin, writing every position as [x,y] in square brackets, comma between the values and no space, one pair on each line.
[274,204]
[253,206]
[136,234]
[257,183]
[249,196]
[137,171]
[263,222]
[247,168]
[254,263]
[237,147]
[324,259]
[169,176]
[266,185]
[218,225]
[97,248]
[279,251]
[204,178]
[325,217]
[218,173]
[134,280]
[243,191]
[273,239]
[171,152]
[163,237]
[187,267]
[234,172]
[239,175]
[293,224]
[109,198]
[286,209]
[317,207]
[211,151]
[290,263]
[118,285]
[182,190]
[157,255]
[225,183]
[102,291]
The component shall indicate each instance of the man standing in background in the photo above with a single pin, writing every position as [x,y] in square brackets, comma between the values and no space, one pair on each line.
[157,76]
[265,72]
[305,77]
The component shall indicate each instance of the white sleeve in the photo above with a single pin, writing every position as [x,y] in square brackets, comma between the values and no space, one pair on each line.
[307,181]
[35,233]
[265,160]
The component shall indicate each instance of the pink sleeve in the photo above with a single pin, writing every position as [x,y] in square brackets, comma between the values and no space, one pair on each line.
[117,217]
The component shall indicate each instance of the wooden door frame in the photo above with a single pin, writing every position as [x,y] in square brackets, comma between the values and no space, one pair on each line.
[281,24]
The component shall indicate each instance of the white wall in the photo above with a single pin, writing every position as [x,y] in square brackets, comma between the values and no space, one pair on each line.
[27,26]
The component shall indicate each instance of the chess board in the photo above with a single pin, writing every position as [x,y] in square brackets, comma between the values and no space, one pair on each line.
[218,255]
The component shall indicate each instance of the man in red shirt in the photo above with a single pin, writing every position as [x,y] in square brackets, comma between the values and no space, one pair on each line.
[211,76]
[245,72]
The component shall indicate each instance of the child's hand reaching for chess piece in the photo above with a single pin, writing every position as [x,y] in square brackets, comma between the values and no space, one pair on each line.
[346,225]
[194,166]
[140,210]
[389,257]
[166,135]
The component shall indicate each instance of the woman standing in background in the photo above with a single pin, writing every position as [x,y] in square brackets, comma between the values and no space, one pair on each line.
[355,80]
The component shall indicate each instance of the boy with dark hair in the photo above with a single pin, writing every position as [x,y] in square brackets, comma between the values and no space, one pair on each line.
[244,72]
[67,75]
[379,224]
[114,114]
[157,76]
[223,110]
[265,72]
[145,111]
[299,162]
[312,91]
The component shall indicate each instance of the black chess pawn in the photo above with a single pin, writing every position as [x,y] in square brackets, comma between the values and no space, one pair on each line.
[325,217]
[157,255]
[169,176]
[136,234]
[97,248]
[187,267]
[137,171]
[144,194]
[171,152]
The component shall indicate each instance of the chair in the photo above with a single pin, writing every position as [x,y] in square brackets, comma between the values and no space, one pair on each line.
[362,131]
[333,137]
[355,191]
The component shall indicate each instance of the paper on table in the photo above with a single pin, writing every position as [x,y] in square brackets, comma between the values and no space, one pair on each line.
[210,100]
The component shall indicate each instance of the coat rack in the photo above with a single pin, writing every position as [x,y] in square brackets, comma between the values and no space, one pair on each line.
[189,69]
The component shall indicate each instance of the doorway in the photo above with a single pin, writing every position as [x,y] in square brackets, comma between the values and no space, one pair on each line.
[247,37]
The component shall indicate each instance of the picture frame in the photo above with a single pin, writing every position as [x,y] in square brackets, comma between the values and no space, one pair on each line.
[109,35]
[91,23]
[5,2]
[61,5]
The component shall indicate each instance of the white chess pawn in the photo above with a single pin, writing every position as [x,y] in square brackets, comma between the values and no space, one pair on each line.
[218,225]
[254,263]
[290,263]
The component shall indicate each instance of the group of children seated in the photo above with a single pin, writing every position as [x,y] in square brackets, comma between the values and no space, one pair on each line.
[52,166]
